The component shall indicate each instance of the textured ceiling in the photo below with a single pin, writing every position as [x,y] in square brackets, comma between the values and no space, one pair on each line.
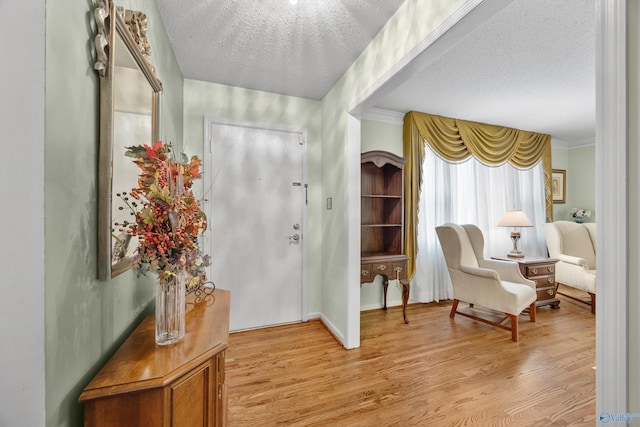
[531,66]
[271,45]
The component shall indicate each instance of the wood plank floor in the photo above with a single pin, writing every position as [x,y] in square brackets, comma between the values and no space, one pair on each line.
[432,372]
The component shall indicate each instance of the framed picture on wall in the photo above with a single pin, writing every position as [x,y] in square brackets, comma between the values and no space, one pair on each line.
[559,185]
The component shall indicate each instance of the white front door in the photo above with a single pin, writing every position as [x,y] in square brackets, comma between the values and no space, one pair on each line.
[256,198]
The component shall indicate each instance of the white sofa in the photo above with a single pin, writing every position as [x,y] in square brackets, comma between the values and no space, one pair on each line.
[574,246]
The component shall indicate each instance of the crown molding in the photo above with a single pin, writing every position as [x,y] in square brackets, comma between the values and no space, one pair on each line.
[384,116]
[583,142]
[560,143]
[569,145]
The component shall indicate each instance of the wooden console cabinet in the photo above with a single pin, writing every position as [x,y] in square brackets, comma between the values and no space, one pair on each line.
[541,270]
[382,222]
[183,384]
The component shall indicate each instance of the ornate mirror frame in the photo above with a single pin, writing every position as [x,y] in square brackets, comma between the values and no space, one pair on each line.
[122,50]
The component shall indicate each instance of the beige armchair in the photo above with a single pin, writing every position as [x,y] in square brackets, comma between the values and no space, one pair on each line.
[574,246]
[497,285]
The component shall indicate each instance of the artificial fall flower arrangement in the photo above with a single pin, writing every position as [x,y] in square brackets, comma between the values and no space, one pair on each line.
[168,218]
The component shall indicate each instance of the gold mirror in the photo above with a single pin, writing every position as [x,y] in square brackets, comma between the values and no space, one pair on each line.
[129,112]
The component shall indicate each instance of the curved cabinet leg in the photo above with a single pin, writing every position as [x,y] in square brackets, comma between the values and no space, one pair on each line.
[406,287]
[385,286]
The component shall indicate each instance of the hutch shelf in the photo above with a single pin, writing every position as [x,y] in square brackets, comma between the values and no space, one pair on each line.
[382,222]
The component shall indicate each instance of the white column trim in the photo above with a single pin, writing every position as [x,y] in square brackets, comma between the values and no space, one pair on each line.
[352,221]
[611,205]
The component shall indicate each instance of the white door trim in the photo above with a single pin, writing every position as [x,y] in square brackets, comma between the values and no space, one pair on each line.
[207,166]
[611,180]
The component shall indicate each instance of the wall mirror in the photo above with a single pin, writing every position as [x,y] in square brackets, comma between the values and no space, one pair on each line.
[129,115]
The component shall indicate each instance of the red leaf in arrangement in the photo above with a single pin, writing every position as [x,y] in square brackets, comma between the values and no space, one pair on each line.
[151,154]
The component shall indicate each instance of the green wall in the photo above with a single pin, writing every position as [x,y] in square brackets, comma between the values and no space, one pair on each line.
[202,99]
[580,164]
[86,319]
[560,160]
[381,136]
[581,180]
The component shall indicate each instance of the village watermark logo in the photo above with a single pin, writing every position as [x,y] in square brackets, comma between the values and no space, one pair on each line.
[607,417]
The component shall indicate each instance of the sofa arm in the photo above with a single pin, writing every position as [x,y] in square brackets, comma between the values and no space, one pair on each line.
[507,270]
[481,272]
[573,260]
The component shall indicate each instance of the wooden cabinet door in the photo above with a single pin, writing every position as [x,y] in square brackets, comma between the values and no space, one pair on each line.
[192,398]
[143,408]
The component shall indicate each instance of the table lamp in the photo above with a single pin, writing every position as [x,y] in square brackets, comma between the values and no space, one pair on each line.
[515,219]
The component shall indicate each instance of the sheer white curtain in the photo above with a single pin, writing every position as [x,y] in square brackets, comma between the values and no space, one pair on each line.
[473,193]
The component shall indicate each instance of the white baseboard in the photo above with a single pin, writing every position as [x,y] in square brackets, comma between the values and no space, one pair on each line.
[390,303]
[332,329]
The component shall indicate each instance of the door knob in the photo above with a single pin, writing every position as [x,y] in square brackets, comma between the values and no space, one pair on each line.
[296,226]
[295,237]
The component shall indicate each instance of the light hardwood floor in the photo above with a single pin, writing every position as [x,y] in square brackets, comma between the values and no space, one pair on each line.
[432,372]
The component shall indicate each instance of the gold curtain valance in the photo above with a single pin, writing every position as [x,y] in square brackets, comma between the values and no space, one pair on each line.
[455,140]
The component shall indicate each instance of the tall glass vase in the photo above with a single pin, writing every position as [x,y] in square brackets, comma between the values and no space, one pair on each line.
[170,309]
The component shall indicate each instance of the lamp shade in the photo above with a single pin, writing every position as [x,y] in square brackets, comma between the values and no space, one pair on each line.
[514,219]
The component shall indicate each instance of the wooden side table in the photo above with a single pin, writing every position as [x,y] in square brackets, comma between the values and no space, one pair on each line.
[541,270]
[183,384]
[390,267]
